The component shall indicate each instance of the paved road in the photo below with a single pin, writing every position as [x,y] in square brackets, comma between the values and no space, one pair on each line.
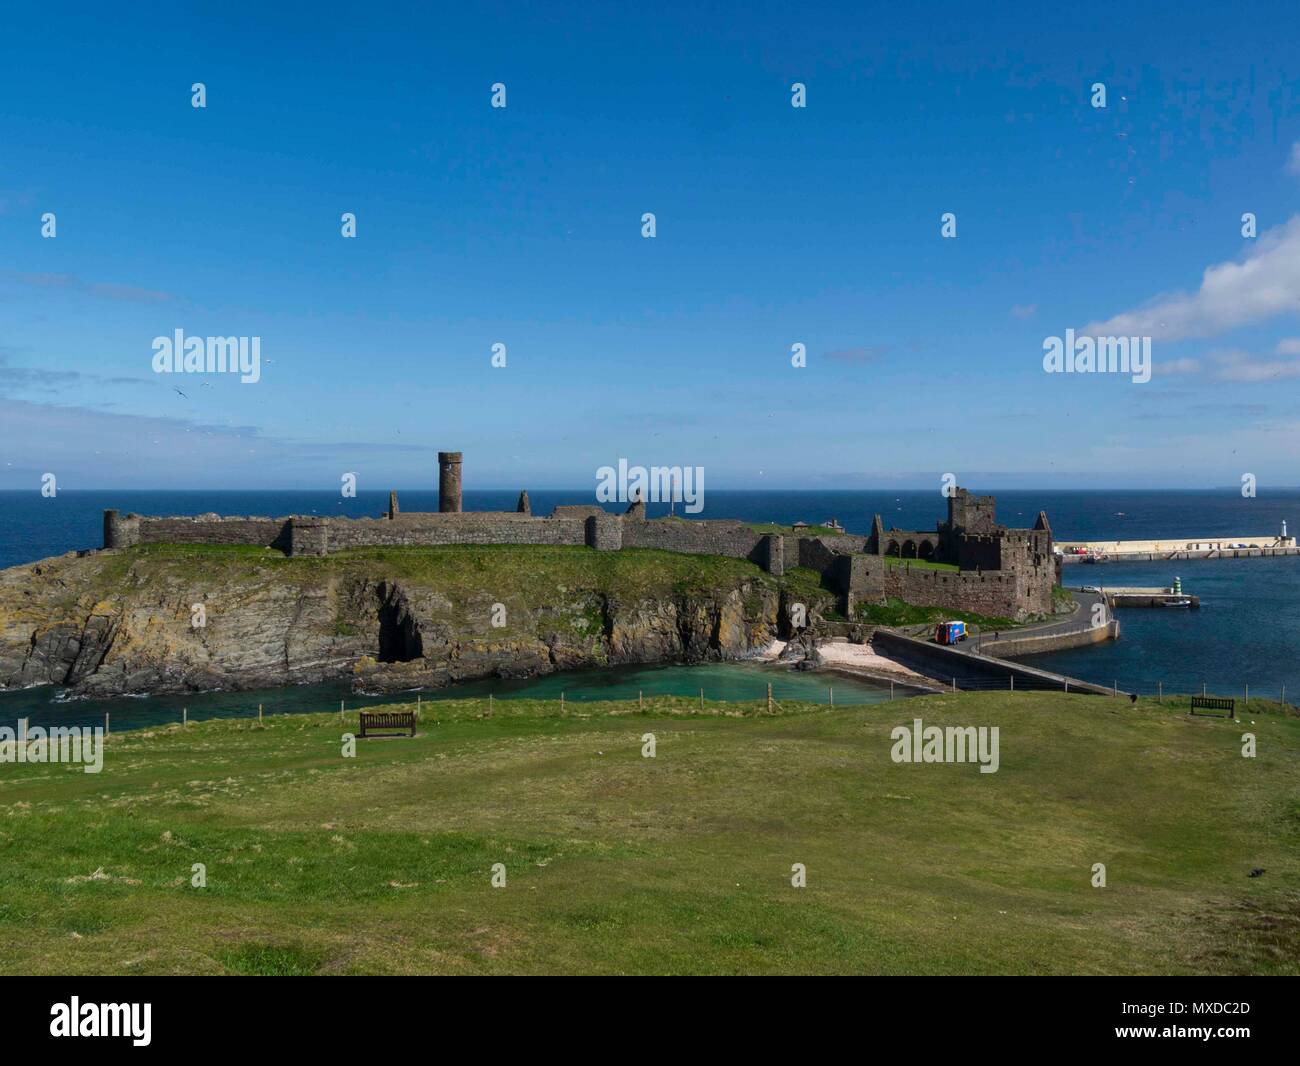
[1080,619]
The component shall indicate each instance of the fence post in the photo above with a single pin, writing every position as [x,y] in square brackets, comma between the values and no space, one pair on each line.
[259,714]
[106,723]
[832,688]
[185,716]
[1202,688]
[640,701]
[1160,691]
[340,712]
[1246,702]
[1114,687]
[489,705]
[561,703]
[1284,697]
[701,699]
[891,690]
[954,684]
[1012,679]
[769,697]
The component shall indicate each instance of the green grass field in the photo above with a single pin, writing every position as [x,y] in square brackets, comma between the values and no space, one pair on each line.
[617,863]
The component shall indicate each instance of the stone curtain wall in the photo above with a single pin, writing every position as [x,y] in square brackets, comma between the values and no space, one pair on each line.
[122,531]
[569,525]
[320,536]
[696,537]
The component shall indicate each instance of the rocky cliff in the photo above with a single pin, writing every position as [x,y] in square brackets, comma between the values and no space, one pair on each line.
[174,619]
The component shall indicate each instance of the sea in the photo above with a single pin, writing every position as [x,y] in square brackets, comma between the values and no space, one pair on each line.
[1245,637]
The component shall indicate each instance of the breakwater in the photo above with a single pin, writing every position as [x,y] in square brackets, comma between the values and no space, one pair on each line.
[1176,548]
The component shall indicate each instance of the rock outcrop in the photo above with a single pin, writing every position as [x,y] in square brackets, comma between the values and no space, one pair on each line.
[166,619]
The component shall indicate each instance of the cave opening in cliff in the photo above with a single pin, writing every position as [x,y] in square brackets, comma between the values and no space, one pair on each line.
[399,634]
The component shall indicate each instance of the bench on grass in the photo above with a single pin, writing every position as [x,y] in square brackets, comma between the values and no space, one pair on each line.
[374,721]
[1214,703]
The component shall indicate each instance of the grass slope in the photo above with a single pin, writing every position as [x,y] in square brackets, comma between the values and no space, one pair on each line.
[681,863]
[533,571]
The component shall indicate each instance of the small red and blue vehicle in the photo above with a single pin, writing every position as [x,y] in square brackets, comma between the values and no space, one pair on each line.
[949,632]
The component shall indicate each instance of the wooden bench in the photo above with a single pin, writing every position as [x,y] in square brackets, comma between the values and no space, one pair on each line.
[373,721]
[1215,703]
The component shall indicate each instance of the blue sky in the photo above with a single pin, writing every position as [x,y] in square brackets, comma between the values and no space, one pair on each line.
[775,225]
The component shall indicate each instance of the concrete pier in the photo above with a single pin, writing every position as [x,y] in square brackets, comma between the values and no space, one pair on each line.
[1143,597]
[1170,549]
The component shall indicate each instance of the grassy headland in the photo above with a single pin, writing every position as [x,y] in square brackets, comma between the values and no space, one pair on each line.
[680,863]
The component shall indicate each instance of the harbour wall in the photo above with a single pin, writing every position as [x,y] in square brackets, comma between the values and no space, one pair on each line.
[974,671]
[1169,549]
[1075,638]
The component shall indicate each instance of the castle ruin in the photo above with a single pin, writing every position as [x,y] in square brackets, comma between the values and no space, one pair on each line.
[999,572]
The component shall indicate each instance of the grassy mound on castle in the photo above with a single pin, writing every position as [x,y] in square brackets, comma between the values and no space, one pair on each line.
[617,863]
[533,571]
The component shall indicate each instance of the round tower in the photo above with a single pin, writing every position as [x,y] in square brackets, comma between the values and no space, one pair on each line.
[449,482]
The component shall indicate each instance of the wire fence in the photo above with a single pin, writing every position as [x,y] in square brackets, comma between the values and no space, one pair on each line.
[1173,688]
[771,700]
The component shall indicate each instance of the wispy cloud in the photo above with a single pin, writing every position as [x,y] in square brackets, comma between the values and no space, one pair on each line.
[1293,163]
[859,355]
[1024,310]
[105,289]
[1236,365]
[94,446]
[14,379]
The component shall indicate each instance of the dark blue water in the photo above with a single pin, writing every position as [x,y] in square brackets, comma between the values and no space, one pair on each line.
[1247,632]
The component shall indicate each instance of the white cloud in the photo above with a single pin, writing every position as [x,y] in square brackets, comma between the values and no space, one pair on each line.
[1236,365]
[1288,346]
[1175,366]
[1293,163]
[1262,284]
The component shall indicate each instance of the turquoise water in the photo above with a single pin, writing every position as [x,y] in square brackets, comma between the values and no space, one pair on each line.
[45,706]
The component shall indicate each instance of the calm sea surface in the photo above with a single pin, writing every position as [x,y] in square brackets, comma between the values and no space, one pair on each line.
[1247,632]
